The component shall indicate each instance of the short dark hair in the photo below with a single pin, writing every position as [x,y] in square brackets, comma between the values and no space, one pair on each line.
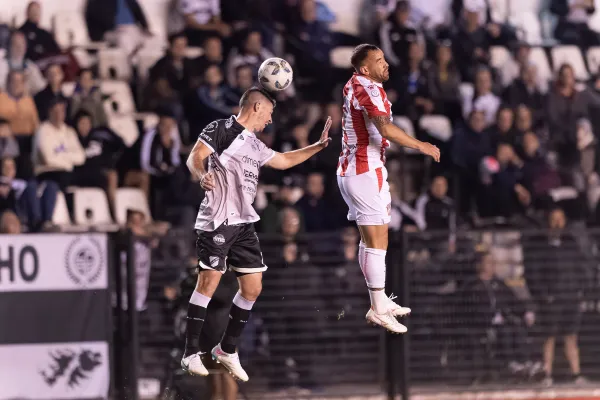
[360,54]
[247,93]
[174,36]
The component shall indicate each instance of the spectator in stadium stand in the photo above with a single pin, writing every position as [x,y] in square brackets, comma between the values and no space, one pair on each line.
[103,148]
[174,67]
[250,52]
[9,223]
[539,177]
[444,81]
[555,270]
[160,157]
[565,107]
[202,19]
[18,108]
[413,98]
[33,203]
[573,17]
[318,216]
[213,55]
[327,159]
[121,22]
[15,60]
[397,34]
[311,42]
[57,150]
[286,196]
[501,192]
[9,147]
[502,131]
[524,123]
[493,306]
[289,224]
[40,42]
[55,77]
[511,68]
[483,98]
[88,97]
[435,208]
[525,90]
[212,100]
[244,79]
[470,144]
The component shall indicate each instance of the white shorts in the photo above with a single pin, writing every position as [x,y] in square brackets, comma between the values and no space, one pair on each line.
[367,196]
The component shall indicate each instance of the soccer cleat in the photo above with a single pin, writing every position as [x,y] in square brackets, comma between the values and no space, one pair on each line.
[386,320]
[231,362]
[396,309]
[192,364]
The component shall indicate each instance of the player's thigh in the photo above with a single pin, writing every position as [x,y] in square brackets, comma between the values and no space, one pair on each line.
[213,248]
[245,255]
[370,195]
[342,183]
[374,236]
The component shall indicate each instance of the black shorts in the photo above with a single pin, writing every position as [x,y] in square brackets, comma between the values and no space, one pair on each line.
[230,246]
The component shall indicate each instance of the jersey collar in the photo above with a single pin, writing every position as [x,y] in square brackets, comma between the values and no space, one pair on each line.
[370,80]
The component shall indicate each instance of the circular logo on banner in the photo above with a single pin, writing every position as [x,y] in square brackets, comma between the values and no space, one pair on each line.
[219,239]
[84,260]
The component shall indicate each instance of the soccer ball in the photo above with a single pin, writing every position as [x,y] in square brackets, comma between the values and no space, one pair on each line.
[275,74]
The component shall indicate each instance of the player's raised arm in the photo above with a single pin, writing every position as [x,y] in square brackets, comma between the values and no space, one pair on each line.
[395,134]
[292,158]
[196,163]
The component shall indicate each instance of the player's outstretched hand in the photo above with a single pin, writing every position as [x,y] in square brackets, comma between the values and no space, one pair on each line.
[208,182]
[430,150]
[325,139]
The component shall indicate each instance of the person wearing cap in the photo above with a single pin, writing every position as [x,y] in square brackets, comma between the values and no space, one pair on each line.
[56,148]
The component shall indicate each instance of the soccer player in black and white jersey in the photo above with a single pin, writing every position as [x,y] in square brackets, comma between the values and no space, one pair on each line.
[226,161]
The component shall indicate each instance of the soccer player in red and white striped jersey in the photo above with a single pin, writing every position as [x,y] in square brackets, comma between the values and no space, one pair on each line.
[362,177]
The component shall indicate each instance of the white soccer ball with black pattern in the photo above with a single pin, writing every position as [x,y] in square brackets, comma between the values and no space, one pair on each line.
[275,74]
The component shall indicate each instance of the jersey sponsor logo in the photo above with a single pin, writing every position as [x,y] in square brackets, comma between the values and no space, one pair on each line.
[250,161]
[205,136]
[241,137]
[219,239]
[375,92]
[251,175]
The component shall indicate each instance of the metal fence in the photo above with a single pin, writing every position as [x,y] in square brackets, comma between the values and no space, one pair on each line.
[465,332]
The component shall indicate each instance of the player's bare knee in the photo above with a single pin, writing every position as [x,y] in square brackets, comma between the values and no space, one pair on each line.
[208,281]
[250,286]
[375,236]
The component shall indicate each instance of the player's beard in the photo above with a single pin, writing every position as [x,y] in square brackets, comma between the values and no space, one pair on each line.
[385,76]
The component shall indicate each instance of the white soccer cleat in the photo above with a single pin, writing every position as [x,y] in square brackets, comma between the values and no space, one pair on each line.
[231,362]
[396,309]
[386,320]
[192,364]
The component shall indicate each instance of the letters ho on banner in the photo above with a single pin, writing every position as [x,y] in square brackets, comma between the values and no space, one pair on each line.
[55,317]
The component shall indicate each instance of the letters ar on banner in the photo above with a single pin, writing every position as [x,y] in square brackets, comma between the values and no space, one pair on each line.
[55,317]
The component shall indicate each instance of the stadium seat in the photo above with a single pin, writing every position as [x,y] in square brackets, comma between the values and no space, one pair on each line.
[91,208]
[570,55]
[68,88]
[537,57]
[146,60]
[466,90]
[194,52]
[131,199]
[121,99]
[499,56]
[113,64]
[124,126]
[61,216]
[346,15]
[528,26]
[70,29]
[406,125]
[593,59]
[340,57]
[438,126]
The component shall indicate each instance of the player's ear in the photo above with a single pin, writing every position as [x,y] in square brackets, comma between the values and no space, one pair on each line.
[363,70]
[257,106]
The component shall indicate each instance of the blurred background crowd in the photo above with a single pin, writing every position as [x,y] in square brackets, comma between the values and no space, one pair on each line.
[102,100]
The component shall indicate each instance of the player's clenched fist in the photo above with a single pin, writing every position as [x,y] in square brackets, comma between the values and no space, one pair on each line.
[430,150]
[207,182]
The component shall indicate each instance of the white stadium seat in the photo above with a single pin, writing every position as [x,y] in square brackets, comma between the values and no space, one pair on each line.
[121,99]
[593,59]
[340,57]
[70,29]
[466,90]
[570,55]
[537,56]
[438,126]
[68,88]
[124,126]
[114,64]
[131,199]
[528,26]
[61,216]
[91,207]
[346,15]
[146,60]
[194,52]
[499,56]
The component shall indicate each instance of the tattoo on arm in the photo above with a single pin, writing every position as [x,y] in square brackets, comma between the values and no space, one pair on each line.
[381,121]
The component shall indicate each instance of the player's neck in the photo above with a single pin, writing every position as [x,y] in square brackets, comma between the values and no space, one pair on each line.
[372,79]
[245,120]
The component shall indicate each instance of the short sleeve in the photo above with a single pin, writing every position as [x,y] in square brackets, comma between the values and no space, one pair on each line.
[209,136]
[265,153]
[370,97]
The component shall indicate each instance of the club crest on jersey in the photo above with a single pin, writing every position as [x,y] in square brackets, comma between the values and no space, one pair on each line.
[219,239]
[229,122]
[214,261]
[374,92]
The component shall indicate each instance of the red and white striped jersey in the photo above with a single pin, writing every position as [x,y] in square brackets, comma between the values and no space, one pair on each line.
[363,147]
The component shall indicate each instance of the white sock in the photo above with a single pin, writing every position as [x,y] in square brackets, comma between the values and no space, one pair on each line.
[199,299]
[242,303]
[374,272]
[361,256]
